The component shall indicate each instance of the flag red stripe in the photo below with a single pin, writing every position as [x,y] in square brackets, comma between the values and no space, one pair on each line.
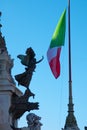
[55,64]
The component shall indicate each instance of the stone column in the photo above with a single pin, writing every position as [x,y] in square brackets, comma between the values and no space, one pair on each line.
[6,93]
[7,87]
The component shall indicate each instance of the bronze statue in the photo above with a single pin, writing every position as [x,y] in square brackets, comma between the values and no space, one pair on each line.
[20,104]
[30,62]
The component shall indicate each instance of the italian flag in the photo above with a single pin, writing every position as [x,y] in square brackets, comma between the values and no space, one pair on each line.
[57,41]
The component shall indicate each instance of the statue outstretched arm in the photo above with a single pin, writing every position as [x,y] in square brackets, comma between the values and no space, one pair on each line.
[40,60]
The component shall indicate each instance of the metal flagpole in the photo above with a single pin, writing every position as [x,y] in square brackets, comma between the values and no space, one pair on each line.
[70,119]
[70,109]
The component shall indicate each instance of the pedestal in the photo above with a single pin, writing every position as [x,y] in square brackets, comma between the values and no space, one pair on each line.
[6,93]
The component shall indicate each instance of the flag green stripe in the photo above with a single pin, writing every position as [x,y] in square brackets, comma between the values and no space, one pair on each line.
[59,33]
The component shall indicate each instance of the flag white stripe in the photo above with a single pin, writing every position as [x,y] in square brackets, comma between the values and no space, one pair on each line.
[51,53]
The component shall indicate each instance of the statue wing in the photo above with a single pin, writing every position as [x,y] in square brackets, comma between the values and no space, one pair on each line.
[23,59]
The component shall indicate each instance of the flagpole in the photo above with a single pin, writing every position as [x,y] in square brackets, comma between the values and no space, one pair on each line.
[70,119]
[70,105]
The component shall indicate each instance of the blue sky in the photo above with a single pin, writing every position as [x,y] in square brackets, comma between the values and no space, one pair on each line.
[31,23]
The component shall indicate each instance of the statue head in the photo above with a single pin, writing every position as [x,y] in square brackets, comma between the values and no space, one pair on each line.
[32,119]
[30,52]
